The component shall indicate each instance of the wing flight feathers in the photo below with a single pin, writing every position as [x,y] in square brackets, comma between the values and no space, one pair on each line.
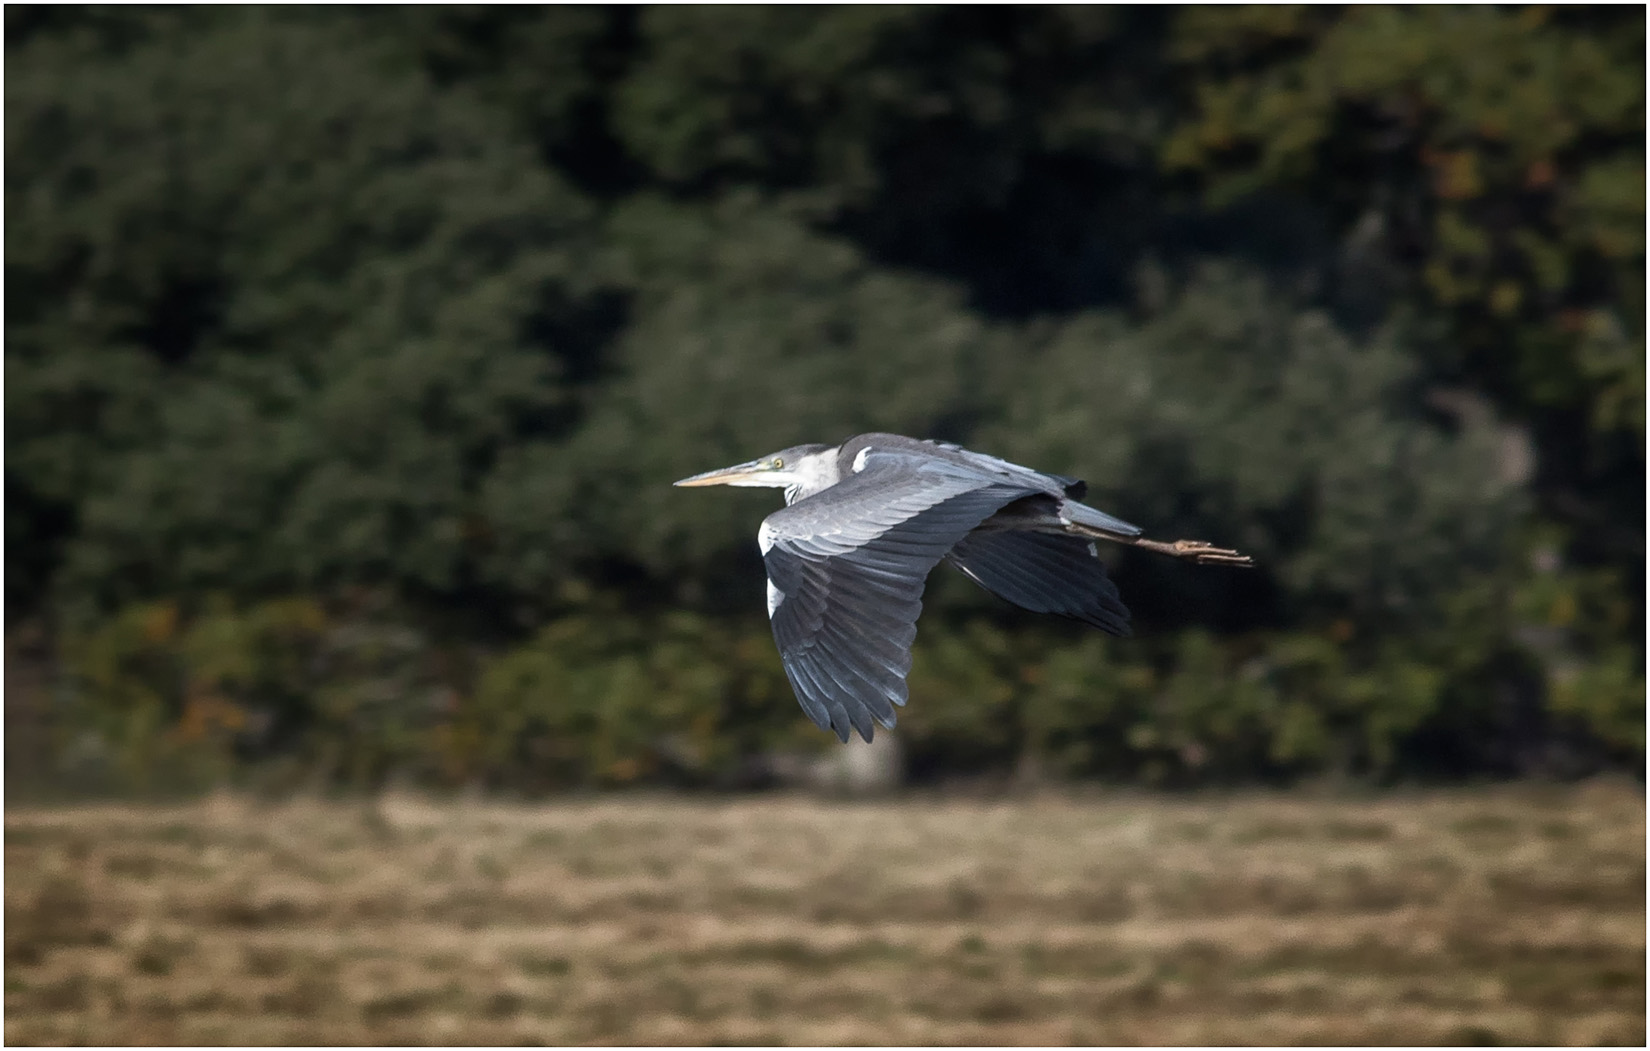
[1044,573]
[848,566]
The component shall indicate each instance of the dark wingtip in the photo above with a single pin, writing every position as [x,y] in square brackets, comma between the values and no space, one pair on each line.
[1106,621]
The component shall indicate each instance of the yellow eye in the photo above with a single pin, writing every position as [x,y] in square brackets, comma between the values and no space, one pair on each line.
[778,464]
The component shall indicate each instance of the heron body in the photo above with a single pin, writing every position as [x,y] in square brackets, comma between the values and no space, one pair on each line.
[864,524]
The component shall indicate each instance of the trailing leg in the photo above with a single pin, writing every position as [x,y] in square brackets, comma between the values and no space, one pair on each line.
[1199,551]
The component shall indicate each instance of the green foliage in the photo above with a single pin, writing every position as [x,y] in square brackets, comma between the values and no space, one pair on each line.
[126,695]
[1358,505]
[272,328]
[349,693]
[604,698]
[1481,114]
[828,100]
[1487,163]
[601,697]
[351,352]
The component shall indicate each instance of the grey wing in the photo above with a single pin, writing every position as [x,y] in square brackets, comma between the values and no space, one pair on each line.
[1044,573]
[846,575]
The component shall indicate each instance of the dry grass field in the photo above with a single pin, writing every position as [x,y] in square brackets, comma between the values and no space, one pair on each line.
[1501,915]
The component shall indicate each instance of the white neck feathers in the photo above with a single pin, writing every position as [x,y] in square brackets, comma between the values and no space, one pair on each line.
[812,473]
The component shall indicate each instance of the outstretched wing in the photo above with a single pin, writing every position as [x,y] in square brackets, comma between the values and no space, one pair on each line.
[846,570]
[1044,573]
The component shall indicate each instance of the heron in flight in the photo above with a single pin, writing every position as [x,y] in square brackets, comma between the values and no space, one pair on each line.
[865,521]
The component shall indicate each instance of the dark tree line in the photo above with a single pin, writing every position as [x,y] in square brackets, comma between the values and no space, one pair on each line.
[350,352]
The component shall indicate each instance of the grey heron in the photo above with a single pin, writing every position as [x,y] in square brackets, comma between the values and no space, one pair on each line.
[865,521]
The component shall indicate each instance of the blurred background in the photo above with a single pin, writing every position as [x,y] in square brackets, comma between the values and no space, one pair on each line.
[350,354]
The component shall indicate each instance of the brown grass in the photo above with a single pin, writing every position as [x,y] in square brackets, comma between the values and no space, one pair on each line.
[1508,915]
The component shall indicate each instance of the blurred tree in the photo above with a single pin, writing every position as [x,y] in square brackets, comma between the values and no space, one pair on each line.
[351,352]
[1010,147]
[550,69]
[1486,163]
[1230,411]
[275,308]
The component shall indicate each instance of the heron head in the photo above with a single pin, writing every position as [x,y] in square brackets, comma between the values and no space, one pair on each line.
[785,469]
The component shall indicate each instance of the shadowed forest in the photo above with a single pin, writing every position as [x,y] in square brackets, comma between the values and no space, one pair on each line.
[350,353]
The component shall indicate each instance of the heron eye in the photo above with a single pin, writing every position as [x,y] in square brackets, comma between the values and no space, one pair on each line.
[778,463]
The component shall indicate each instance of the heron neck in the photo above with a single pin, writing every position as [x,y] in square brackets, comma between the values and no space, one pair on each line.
[814,474]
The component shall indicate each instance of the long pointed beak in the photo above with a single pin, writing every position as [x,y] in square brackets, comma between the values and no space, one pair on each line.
[724,475]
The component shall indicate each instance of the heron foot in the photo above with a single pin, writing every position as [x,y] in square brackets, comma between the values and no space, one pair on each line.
[1200,551]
